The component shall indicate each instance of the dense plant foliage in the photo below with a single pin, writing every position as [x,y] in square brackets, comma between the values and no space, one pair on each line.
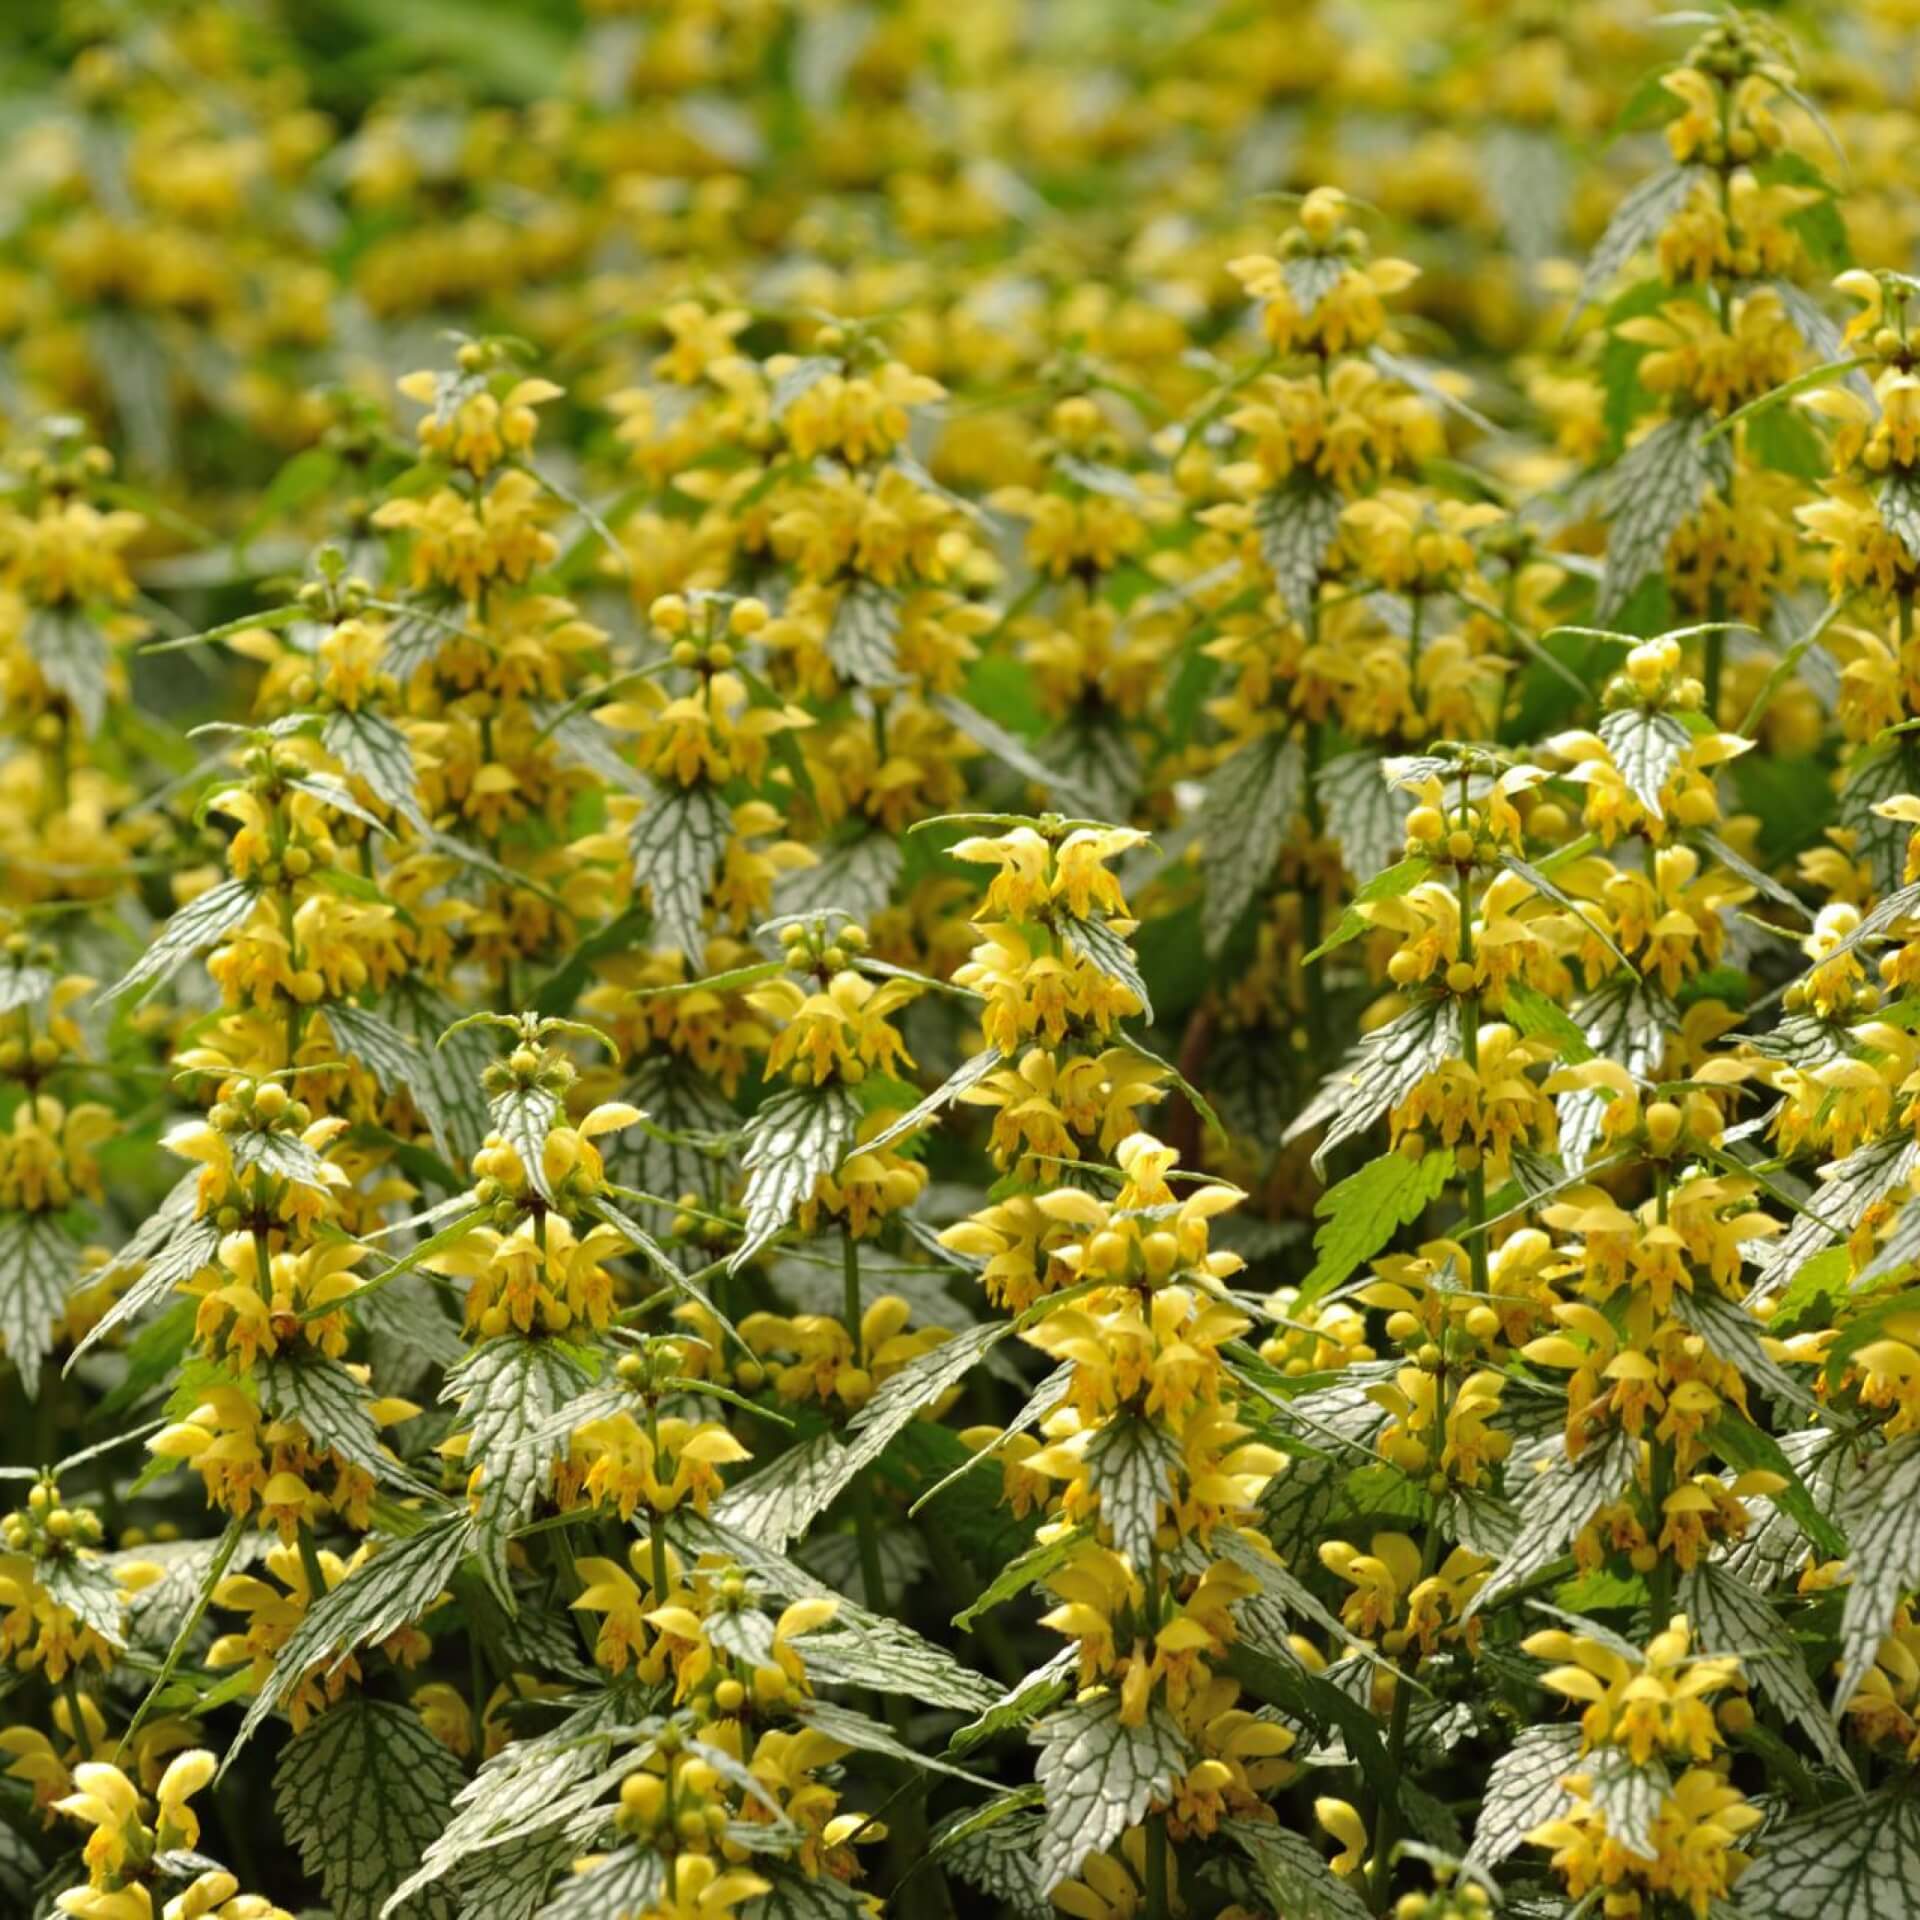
[959,960]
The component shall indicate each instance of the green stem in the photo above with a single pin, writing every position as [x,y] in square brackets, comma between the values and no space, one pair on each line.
[850,1295]
[1159,1905]
[657,1533]
[1660,1580]
[70,1693]
[310,1561]
[1386,1819]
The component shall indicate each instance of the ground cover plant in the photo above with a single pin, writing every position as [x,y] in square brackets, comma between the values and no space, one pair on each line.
[959,961]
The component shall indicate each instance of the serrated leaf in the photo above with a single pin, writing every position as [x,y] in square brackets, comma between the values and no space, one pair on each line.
[523,1117]
[792,1896]
[1899,503]
[1022,1572]
[1533,1014]
[1627,1797]
[1729,1617]
[866,1735]
[1294,1874]
[1100,1777]
[1857,1862]
[997,1858]
[968,1074]
[72,653]
[1637,221]
[371,748]
[361,1791]
[85,1586]
[508,1389]
[1389,1063]
[328,1402]
[448,1077]
[1523,1790]
[1880,1514]
[1628,1021]
[1847,1189]
[1556,1506]
[1096,942]
[1245,817]
[1131,1465]
[798,1134]
[533,1788]
[23,986]
[334,793]
[625,1883]
[511,1882]
[1363,816]
[806,373]
[399,1063]
[1743,1446]
[395,1588]
[198,924]
[857,877]
[1658,485]
[1364,1211]
[173,1245]
[1296,530]
[1646,746]
[1310,277]
[1733,1334]
[39,1261]
[1018,755]
[677,845]
[1022,1703]
[686,1111]
[942,1681]
[862,638]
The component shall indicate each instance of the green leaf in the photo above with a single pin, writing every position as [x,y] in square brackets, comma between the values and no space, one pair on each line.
[39,1262]
[361,1791]
[397,1587]
[1364,1211]
[1100,1777]
[1245,817]
[793,1896]
[627,1882]
[1389,884]
[797,1135]
[198,924]
[1534,1015]
[1027,1570]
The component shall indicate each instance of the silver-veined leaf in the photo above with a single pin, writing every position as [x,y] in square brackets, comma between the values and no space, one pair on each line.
[1245,817]
[361,1791]
[198,924]
[1100,1777]
[1294,1874]
[1860,1861]
[798,1134]
[677,844]
[1658,485]
[39,1260]
[1647,746]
